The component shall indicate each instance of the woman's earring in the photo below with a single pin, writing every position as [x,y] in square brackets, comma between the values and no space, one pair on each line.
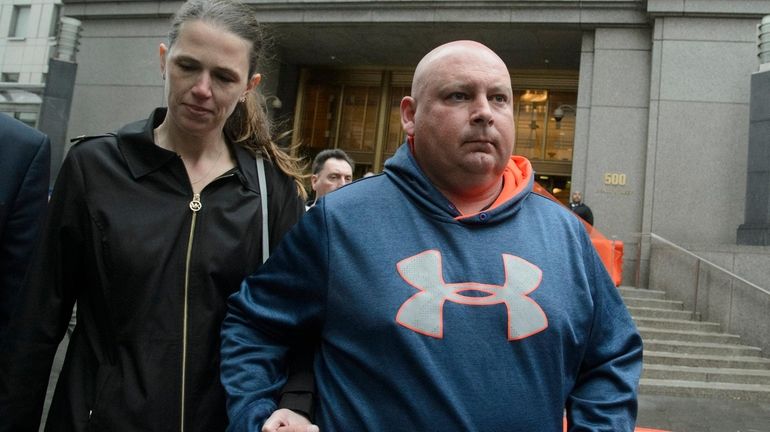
[243,98]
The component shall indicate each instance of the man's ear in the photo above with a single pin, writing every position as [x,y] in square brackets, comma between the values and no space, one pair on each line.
[408,108]
[313,181]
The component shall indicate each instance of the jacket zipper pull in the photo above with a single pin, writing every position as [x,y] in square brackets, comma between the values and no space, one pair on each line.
[196,204]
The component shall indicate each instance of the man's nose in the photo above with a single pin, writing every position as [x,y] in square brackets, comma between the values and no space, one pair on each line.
[482,111]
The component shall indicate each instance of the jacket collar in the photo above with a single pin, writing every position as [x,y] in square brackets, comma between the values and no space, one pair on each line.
[143,156]
[137,145]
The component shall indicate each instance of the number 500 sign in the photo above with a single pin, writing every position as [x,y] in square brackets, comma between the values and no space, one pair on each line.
[615,179]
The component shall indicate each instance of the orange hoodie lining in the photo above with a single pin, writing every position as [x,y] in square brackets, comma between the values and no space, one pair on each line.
[515,179]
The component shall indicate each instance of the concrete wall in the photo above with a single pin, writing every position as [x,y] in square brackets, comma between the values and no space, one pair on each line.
[611,131]
[699,127]
[750,262]
[119,77]
[741,307]
[698,122]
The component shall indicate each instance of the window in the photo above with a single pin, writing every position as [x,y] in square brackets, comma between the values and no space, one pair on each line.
[29,118]
[11,77]
[54,21]
[539,136]
[19,22]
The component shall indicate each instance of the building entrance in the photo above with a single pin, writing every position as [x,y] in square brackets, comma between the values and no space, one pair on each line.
[358,111]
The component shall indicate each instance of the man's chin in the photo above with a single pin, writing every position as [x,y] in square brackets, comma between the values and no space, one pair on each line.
[484,163]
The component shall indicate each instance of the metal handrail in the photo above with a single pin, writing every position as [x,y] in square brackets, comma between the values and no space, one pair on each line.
[700,259]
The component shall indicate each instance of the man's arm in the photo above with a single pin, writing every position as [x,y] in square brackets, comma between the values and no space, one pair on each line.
[605,395]
[44,306]
[277,309]
[23,219]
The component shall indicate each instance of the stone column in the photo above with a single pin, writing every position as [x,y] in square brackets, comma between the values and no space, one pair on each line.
[59,88]
[756,229]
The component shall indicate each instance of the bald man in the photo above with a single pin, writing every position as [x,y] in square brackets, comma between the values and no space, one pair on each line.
[443,295]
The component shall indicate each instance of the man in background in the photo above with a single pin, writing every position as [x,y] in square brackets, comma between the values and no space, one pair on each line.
[332,169]
[580,208]
[25,168]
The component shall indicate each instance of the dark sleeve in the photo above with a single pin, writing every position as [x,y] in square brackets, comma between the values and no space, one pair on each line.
[605,393]
[589,216]
[43,310]
[23,220]
[278,309]
[286,207]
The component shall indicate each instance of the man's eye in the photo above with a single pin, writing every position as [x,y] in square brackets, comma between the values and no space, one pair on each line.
[457,96]
[499,98]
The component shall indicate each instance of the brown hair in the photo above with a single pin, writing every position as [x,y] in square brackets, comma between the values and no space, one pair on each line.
[248,125]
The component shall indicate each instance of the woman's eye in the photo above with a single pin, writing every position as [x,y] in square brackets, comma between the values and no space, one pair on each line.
[186,66]
[226,78]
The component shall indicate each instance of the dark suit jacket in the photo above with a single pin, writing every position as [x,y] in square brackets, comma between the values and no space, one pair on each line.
[25,168]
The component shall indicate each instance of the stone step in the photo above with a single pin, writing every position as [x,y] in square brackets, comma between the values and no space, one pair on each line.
[703,360]
[649,333]
[724,375]
[705,348]
[645,312]
[654,303]
[677,324]
[632,292]
[754,392]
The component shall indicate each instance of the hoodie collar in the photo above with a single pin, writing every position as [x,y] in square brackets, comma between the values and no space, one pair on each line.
[403,170]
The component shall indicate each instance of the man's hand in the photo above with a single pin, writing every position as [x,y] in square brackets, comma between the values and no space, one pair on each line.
[284,420]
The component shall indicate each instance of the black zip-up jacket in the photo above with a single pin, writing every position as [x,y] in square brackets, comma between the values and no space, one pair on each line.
[150,276]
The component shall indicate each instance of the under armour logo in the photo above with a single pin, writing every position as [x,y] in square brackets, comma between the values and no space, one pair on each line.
[423,312]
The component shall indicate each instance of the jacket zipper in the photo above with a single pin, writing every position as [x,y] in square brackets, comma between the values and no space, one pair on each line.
[195,206]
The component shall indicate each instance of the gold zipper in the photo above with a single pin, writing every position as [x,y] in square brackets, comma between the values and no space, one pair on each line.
[195,206]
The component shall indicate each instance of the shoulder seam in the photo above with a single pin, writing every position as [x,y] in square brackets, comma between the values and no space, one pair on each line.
[81,138]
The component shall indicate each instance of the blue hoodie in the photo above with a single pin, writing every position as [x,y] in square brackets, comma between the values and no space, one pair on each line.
[426,319]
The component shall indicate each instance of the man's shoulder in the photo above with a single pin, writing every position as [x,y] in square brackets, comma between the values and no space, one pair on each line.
[15,131]
[547,205]
[360,197]
[363,188]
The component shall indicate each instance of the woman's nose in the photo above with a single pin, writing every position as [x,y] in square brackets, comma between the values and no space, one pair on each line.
[202,87]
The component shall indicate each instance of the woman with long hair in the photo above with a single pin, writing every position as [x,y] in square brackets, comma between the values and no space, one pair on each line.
[149,230]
